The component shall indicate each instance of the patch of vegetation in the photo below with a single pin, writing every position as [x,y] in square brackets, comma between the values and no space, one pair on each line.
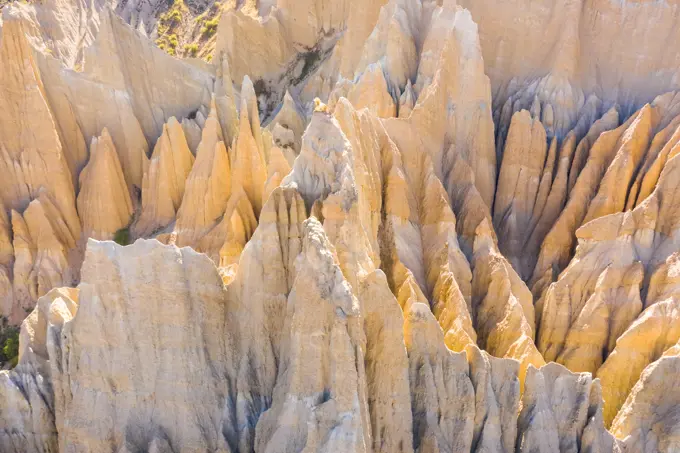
[169,23]
[191,50]
[188,29]
[209,28]
[173,17]
[122,236]
[9,344]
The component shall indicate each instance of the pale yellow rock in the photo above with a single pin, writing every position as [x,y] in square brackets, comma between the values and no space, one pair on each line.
[545,184]
[320,401]
[6,251]
[596,438]
[556,250]
[543,220]
[287,128]
[556,406]
[25,280]
[452,312]
[278,168]
[61,26]
[59,303]
[207,187]
[602,58]
[370,144]
[644,342]
[610,120]
[158,85]
[259,293]
[45,254]
[502,308]
[393,41]
[132,94]
[424,240]
[660,150]
[6,262]
[435,125]
[225,100]
[406,101]
[456,404]
[519,184]
[497,401]
[362,18]
[443,402]
[321,16]
[104,202]
[663,147]
[616,241]
[192,133]
[633,145]
[285,45]
[284,334]
[132,374]
[612,307]
[332,174]
[243,225]
[32,157]
[387,367]
[6,292]
[60,29]
[663,282]
[225,242]
[424,225]
[265,53]
[552,98]
[647,421]
[164,180]
[371,92]
[628,163]
[247,155]
[31,408]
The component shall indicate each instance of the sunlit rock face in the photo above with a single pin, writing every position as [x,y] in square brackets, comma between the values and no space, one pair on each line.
[361,226]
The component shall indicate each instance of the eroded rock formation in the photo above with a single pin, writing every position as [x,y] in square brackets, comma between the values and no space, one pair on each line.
[363,226]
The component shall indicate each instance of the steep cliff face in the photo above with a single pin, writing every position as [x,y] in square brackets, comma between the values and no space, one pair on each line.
[365,226]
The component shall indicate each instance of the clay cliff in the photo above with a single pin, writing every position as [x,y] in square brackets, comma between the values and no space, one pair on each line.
[352,226]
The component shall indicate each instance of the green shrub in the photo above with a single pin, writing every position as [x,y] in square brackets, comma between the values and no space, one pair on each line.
[210,27]
[191,49]
[122,236]
[175,16]
[9,343]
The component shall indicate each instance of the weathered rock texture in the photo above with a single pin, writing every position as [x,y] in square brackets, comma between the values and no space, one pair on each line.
[386,226]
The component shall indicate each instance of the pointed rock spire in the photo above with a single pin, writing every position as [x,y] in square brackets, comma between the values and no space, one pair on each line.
[164,180]
[104,201]
[207,187]
[248,160]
